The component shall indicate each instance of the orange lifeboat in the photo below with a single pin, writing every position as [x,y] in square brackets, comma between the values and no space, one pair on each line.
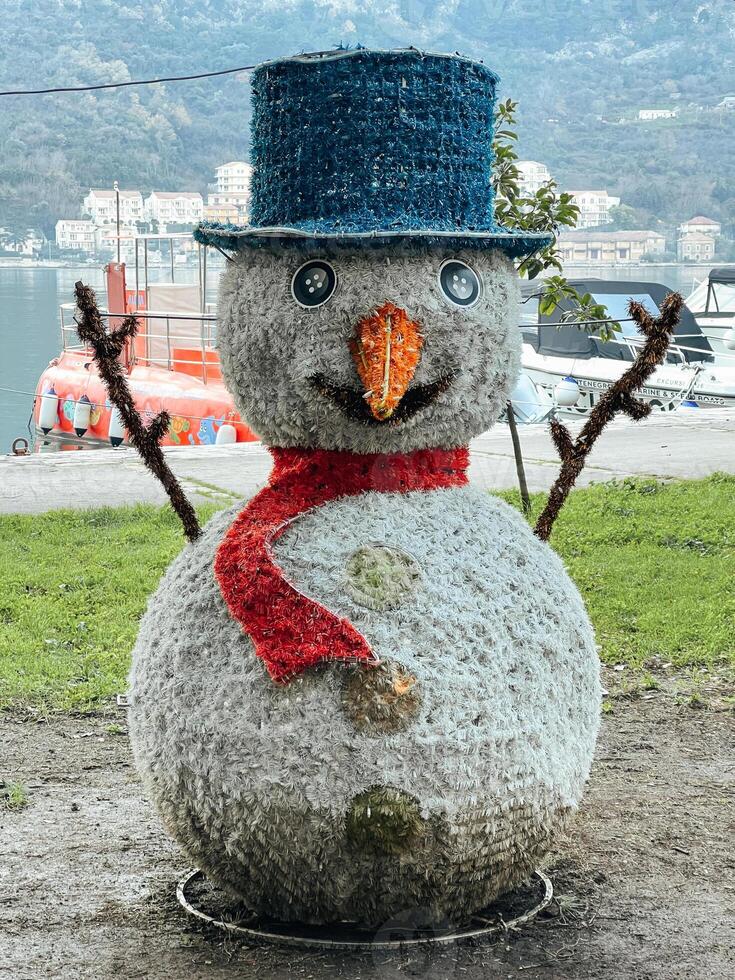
[171,364]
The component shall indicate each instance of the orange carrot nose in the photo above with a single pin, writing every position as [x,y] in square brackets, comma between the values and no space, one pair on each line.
[386,352]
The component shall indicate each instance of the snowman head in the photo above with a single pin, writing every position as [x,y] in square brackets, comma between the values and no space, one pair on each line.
[371,302]
[369,349]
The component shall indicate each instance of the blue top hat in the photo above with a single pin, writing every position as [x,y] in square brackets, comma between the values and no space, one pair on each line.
[356,145]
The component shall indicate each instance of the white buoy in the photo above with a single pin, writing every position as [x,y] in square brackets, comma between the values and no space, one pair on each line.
[729,339]
[116,431]
[226,435]
[566,393]
[48,413]
[81,415]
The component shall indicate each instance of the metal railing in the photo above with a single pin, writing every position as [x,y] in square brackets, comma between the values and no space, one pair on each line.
[206,336]
[202,340]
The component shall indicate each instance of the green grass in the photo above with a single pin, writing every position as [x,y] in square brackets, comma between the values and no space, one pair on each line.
[73,585]
[655,563]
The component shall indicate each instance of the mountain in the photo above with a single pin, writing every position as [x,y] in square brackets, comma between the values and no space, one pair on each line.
[577,68]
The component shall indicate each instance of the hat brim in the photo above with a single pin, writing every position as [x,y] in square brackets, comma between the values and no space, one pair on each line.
[515,244]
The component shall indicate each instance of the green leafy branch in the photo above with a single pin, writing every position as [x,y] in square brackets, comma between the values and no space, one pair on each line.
[547,210]
[582,309]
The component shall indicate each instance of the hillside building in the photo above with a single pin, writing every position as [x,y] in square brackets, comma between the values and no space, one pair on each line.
[594,207]
[533,176]
[697,239]
[231,188]
[700,226]
[696,248]
[609,247]
[174,207]
[226,214]
[648,115]
[101,206]
[106,240]
[76,233]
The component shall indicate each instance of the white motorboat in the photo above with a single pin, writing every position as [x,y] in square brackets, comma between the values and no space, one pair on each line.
[713,306]
[568,362]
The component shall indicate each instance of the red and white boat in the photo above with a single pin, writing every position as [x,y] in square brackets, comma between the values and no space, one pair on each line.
[171,364]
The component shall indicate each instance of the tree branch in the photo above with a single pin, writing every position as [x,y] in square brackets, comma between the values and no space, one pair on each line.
[618,398]
[107,348]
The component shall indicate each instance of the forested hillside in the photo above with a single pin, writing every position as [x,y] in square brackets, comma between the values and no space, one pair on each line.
[577,67]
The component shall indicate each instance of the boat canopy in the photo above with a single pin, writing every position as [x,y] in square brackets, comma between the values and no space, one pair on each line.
[725,276]
[715,295]
[578,341]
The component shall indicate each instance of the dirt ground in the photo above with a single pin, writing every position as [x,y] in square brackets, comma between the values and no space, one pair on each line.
[645,884]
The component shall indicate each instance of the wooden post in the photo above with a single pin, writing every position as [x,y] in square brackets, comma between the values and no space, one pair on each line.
[520,469]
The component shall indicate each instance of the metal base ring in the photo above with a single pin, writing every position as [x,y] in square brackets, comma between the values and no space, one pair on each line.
[347,935]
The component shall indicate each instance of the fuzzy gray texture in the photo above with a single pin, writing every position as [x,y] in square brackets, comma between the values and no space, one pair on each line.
[256,780]
[270,346]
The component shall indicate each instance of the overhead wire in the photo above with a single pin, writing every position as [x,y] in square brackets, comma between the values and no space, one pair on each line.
[140,81]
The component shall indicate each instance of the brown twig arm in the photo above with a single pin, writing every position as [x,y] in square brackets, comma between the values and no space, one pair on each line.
[106,348]
[618,398]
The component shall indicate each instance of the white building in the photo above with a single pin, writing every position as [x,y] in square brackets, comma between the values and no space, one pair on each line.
[101,204]
[105,239]
[728,103]
[233,179]
[231,188]
[532,176]
[76,233]
[174,207]
[647,115]
[594,207]
[700,226]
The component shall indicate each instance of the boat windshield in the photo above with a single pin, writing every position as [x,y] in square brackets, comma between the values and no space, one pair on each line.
[570,339]
[617,309]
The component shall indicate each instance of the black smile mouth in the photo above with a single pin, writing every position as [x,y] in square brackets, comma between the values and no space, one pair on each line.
[353,403]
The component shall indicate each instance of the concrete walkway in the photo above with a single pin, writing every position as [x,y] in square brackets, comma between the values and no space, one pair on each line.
[666,446]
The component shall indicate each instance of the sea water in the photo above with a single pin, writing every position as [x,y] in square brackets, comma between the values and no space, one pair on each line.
[30,331]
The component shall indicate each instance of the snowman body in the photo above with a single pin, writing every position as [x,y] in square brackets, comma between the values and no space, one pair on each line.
[435,719]
[257,780]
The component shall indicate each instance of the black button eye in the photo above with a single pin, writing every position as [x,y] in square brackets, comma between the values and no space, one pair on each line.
[313,283]
[459,283]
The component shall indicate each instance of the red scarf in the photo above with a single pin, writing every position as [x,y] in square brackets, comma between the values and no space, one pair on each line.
[291,632]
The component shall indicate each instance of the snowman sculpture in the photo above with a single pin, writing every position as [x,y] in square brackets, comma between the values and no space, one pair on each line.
[369,688]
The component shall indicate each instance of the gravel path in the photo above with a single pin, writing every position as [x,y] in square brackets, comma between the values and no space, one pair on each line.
[645,883]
